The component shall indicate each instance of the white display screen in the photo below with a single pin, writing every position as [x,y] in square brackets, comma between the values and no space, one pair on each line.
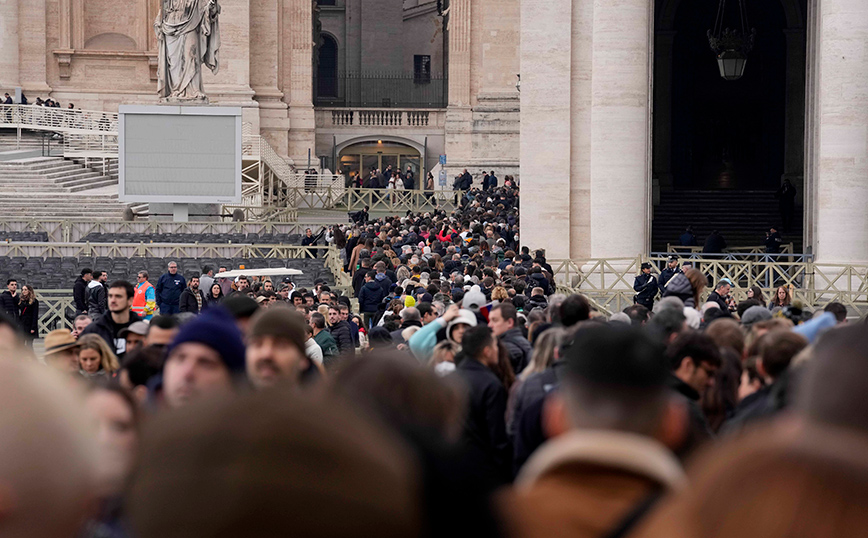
[180,154]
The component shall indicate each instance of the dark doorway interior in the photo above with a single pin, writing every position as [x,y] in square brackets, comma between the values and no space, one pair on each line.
[327,67]
[722,148]
[728,134]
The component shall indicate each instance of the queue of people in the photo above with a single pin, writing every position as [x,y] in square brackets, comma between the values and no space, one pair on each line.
[548,421]
[458,393]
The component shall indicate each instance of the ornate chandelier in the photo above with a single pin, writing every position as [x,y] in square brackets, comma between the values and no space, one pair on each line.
[731,45]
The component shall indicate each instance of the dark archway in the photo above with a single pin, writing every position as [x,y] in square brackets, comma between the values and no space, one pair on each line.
[722,148]
[327,68]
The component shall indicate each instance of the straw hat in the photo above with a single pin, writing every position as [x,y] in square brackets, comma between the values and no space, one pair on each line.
[59,340]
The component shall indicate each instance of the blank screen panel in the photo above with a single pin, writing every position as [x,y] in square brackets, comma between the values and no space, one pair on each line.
[181,157]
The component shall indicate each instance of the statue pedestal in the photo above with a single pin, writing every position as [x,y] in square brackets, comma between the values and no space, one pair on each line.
[179,101]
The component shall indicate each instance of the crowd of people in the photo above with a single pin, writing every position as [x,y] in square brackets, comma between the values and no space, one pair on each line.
[453,391]
[49,102]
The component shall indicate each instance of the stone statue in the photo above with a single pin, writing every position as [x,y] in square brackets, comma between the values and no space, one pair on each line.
[189,36]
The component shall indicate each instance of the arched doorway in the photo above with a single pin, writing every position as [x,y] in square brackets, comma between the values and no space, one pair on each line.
[722,148]
[362,157]
[327,68]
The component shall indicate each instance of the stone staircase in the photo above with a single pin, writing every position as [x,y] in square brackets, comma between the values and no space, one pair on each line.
[53,187]
[742,217]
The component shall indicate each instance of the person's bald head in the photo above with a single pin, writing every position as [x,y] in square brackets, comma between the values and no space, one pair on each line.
[48,466]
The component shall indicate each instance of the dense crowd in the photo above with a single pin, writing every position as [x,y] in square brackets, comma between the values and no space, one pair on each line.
[456,393]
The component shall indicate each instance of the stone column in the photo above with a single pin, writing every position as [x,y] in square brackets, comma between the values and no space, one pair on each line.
[459,113]
[264,70]
[9,56]
[620,117]
[32,48]
[581,61]
[546,40]
[842,123]
[298,80]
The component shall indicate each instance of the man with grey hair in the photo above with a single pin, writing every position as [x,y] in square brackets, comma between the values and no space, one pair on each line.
[169,289]
[410,317]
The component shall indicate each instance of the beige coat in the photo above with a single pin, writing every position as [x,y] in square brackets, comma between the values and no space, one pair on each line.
[583,484]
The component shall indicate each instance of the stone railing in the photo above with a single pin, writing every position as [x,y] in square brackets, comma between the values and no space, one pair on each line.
[342,118]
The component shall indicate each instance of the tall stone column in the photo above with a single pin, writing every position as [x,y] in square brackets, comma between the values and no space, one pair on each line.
[298,80]
[620,139]
[458,112]
[842,123]
[32,49]
[546,40]
[9,57]
[265,19]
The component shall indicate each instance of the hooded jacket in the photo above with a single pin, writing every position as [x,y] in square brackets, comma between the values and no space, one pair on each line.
[97,299]
[370,297]
[537,301]
[105,328]
[679,286]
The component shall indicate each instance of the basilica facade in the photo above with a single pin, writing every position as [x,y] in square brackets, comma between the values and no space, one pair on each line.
[339,83]
[612,113]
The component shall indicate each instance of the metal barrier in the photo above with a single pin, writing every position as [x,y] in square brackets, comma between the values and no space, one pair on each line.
[162,250]
[400,200]
[57,309]
[609,282]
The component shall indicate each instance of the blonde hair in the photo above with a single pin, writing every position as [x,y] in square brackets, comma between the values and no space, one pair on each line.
[108,361]
[544,352]
[499,294]
[440,351]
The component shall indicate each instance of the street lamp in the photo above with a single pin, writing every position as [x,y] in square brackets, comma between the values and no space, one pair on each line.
[731,45]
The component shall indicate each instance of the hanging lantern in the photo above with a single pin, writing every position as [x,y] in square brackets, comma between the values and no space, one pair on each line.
[731,45]
[731,64]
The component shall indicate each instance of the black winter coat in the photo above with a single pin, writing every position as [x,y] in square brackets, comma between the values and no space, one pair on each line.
[646,288]
[29,320]
[79,294]
[9,304]
[188,303]
[518,347]
[104,327]
[487,447]
[341,333]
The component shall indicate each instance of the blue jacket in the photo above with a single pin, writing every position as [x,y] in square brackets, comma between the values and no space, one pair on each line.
[169,289]
[370,297]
